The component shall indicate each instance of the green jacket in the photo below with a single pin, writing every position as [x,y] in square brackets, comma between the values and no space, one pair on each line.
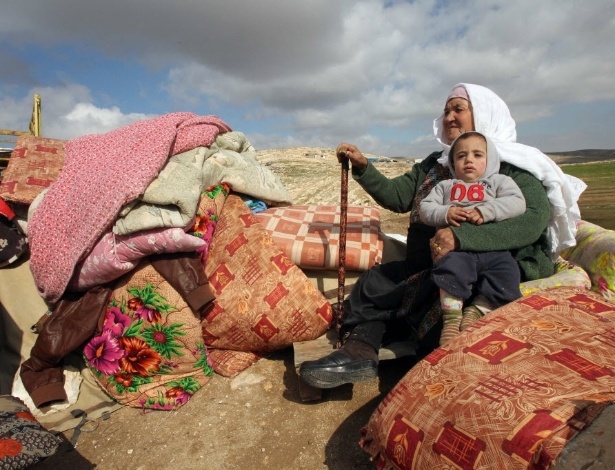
[524,236]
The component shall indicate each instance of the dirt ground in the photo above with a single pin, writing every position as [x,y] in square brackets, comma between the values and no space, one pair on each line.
[257,420]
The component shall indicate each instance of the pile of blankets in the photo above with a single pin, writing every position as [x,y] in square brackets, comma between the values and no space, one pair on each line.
[133,192]
[121,197]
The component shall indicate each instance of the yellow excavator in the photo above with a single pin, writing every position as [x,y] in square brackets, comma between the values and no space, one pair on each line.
[10,136]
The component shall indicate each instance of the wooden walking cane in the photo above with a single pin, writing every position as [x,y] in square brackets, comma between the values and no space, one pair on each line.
[341,272]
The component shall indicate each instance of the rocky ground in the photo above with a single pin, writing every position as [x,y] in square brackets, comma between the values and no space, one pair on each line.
[254,421]
[257,420]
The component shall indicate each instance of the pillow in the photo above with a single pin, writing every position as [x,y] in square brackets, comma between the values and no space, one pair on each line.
[509,392]
[263,300]
[229,363]
[35,163]
[23,441]
[566,275]
[595,252]
[309,235]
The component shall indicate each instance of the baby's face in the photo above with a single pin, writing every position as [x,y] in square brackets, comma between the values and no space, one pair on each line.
[470,158]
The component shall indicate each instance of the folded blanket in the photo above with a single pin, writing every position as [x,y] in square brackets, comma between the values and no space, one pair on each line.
[234,162]
[171,199]
[115,255]
[101,174]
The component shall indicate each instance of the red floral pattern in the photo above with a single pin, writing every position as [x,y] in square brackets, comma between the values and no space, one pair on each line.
[151,343]
[263,300]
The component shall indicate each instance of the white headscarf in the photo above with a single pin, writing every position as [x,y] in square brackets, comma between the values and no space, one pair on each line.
[492,118]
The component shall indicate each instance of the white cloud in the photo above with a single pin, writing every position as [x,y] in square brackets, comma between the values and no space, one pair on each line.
[343,70]
[85,118]
[67,112]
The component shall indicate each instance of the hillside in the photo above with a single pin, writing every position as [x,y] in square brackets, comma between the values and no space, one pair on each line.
[582,156]
[312,175]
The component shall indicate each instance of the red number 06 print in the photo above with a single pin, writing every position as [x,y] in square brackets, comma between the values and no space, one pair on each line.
[475,193]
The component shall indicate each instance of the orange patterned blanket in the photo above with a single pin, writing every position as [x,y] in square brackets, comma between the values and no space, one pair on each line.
[508,393]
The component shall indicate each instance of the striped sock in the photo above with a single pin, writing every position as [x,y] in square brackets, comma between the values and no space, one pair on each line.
[451,314]
[470,315]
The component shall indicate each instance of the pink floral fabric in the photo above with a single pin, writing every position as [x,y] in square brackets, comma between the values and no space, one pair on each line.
[115,255]
[101,174]
[150,353]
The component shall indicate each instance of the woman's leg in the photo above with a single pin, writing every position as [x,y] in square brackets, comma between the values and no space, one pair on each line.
[373,301]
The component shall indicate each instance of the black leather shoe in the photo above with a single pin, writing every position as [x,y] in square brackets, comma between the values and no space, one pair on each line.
[337,369]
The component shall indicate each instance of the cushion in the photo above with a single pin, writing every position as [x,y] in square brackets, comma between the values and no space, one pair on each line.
[309,235]
[229,363]
[566,275]
[595,253]
[509,392]
[35,163]
[23,441]
[263,300]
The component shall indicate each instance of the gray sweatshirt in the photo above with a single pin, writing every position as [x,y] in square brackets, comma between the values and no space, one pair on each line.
[496,196]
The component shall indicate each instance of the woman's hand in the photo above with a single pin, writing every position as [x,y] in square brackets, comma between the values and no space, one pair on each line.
[356,158]
[442,243]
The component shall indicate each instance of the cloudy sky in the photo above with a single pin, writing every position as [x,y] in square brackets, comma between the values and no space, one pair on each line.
[312,72]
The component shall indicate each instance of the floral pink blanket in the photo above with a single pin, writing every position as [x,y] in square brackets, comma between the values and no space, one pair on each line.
[102,173]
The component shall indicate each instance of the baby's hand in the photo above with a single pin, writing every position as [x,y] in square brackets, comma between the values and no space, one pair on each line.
[456,215]
[475,217]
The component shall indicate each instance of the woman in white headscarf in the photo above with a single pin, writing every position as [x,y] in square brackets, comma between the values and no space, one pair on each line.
[492,118]
[399,296]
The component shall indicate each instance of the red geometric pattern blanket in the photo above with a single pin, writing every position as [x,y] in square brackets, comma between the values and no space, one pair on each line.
[507,393]
[309,235]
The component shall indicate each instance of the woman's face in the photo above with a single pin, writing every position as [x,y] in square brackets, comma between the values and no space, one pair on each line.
[457,119]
